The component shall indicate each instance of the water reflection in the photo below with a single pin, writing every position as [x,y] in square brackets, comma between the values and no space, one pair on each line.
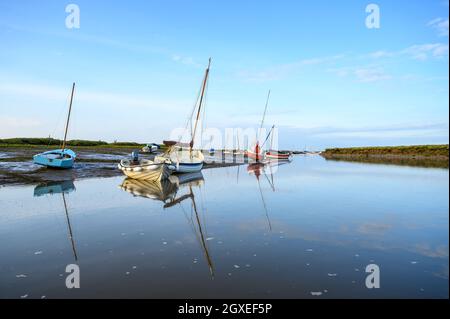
[328,221]
[168,192]
[61,187]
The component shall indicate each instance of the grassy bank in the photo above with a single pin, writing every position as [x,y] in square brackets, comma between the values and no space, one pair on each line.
[437,151]
[38,142]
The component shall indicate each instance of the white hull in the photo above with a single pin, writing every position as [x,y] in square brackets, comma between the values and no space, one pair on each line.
[185,161]
[146,170]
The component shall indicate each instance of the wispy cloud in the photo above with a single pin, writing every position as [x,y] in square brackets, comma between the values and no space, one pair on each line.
[440,25]
[97,98]
[186,60]
[281,71]
[363,74]
[425,51]
[420,52]
[395,130]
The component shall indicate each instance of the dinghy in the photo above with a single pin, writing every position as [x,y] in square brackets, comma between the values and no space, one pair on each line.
[60,158]
[158,169]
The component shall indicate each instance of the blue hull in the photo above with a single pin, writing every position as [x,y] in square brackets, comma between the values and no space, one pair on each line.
[56,158]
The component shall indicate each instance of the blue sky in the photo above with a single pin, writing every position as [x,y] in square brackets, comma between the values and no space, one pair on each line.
[138,67]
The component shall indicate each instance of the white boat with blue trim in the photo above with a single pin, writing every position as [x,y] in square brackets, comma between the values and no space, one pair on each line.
[59,158]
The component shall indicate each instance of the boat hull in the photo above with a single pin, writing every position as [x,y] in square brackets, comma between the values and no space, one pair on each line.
[256,156]
[278,156]
[145,171]
[187,167]
[56,158]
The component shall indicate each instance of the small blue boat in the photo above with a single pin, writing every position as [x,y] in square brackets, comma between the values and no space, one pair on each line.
[60,158]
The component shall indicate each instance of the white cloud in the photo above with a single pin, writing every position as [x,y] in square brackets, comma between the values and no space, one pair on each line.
[440,25]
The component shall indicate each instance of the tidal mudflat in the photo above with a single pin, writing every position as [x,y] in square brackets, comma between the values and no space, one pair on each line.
[305,229]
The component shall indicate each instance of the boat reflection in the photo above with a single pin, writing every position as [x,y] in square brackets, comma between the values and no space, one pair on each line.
[168,191]
[266,168]
[61,187]
[162,190]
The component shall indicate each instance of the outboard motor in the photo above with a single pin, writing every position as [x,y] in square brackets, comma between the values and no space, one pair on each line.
[135,157]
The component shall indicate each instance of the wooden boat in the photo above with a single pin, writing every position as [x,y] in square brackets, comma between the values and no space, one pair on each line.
[183,157]
[145,169]
[278,155]
[59,158]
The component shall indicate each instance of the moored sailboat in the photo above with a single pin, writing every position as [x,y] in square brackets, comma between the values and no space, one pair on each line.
[59,158]
[185,158]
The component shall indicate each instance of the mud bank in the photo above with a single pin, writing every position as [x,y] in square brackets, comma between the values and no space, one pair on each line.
[17,167]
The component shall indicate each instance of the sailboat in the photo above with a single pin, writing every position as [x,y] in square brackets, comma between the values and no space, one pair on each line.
[60,158]
[256,153]
[183,157]
[276,155]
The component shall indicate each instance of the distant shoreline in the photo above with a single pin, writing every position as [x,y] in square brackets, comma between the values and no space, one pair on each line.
[414,151]
[417,155]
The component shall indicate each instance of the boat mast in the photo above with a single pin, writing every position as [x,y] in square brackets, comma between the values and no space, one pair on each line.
[264,115]
[68,117]
[205,80]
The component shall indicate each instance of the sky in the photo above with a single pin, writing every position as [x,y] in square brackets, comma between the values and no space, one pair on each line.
[138,66]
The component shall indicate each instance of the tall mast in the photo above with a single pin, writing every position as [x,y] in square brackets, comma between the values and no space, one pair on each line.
[264,115]
[68,117]
[205,80]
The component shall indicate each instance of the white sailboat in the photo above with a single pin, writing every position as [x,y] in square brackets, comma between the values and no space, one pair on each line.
[184,158]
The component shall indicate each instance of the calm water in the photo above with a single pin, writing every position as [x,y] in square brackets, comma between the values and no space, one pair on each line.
[306,231]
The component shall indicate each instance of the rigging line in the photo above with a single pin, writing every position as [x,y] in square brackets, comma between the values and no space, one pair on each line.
[268,135]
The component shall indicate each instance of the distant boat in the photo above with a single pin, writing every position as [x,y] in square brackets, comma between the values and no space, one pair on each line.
[183,157]
[276,155]
[60,158]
